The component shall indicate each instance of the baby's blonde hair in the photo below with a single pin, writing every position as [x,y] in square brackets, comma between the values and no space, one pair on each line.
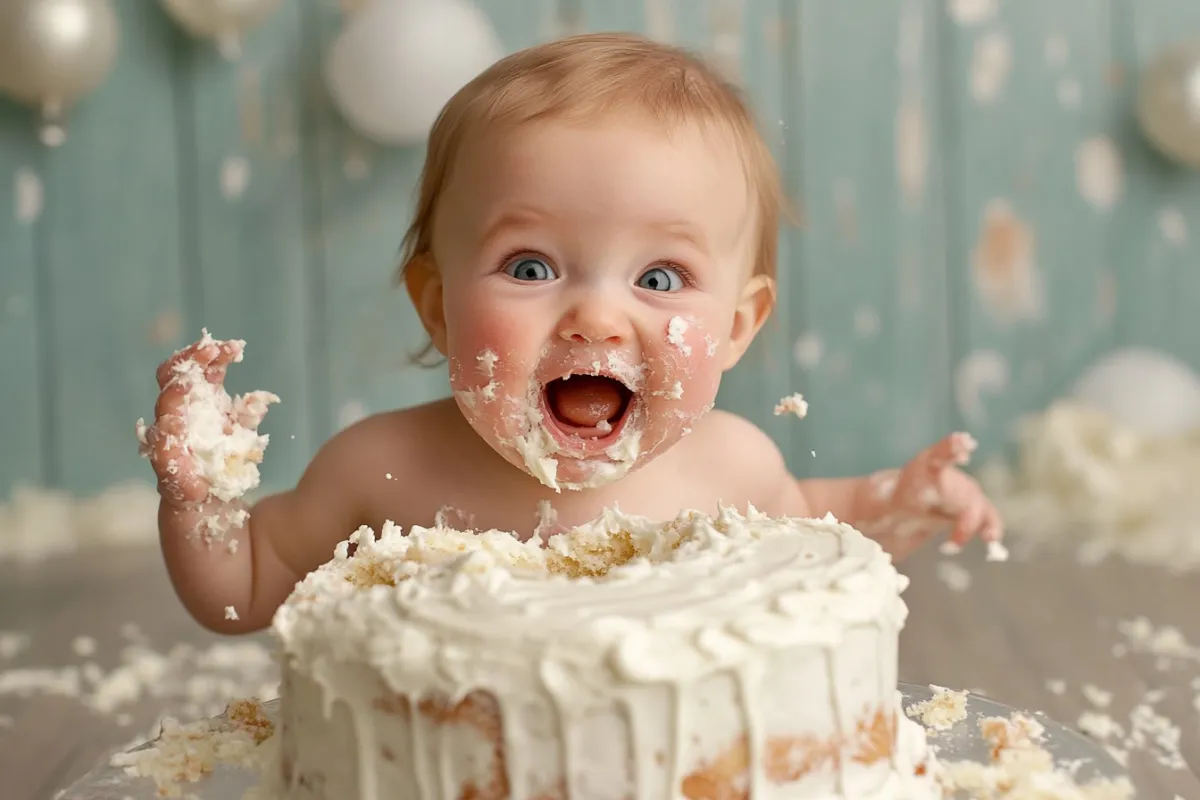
[583,77]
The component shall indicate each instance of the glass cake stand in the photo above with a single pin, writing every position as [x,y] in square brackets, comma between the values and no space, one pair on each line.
[963,742]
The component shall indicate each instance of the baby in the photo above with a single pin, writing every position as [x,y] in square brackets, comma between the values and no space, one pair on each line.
[594,246]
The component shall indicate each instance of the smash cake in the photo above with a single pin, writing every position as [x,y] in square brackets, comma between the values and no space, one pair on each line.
[711,657]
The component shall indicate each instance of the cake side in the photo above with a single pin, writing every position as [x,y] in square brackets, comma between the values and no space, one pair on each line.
[724,656]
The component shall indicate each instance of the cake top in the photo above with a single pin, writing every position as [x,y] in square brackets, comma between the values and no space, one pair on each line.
[620,599]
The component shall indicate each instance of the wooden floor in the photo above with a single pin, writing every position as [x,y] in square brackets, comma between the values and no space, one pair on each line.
[1019,625]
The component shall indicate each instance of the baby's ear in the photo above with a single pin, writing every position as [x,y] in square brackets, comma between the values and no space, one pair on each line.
[754,306]
[424,284]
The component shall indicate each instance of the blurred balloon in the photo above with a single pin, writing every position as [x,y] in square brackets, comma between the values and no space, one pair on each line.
[52,52]
[396,63]
[223,21]
[1168,103]
[1153,393]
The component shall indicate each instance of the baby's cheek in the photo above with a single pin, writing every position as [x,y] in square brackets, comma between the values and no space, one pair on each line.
[691,342]
[686,367]
[474,335]
[699,385]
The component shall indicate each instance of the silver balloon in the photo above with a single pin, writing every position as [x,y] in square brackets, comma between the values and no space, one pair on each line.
[1168,103]
[52,52]
[224,21]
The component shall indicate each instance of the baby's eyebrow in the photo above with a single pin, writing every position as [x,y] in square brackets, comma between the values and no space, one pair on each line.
[520,218]
[685,231]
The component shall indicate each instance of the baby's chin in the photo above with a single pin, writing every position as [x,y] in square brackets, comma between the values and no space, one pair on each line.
[565,472]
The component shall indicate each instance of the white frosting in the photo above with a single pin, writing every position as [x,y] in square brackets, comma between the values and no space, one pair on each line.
[540,452]
[695,649]
[1082,477]
[676,329]
[792,404]
[222,439]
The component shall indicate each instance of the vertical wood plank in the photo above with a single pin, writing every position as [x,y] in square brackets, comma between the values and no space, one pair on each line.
[246,191]
[1158,285]
[365,201]
[1034,183]
[22,437]
[613,15]
[868,306]
[113,256]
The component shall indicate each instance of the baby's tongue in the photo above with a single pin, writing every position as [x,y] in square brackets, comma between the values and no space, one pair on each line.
[585,400]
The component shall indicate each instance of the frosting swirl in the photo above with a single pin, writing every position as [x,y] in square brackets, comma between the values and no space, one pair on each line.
[621,600]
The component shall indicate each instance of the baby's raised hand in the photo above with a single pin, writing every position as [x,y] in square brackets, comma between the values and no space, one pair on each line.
[203,443]
[930,494]
[933,489]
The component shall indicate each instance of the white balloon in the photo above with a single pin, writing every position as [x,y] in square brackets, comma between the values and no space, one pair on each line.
[53,52]
[396,63]
[224,21]
[1168,103]
[1148,391]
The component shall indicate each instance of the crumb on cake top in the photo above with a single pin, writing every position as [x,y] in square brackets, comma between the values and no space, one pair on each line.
[622,598]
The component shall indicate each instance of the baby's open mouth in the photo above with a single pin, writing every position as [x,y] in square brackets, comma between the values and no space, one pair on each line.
[588,406]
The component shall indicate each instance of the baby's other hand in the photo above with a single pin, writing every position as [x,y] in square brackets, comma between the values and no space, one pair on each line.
[932,487]
[164,441]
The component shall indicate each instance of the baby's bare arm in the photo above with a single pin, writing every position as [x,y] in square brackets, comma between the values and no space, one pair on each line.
[285,536]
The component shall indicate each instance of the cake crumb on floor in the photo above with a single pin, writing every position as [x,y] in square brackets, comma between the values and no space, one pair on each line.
[943,711]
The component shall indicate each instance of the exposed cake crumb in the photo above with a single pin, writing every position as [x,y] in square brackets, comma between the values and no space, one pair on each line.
[1021,768]
[1153,733]
[1083,479]
[188,682]
[1165,641]
[996,551]
[12,643]
[36,524]
[1099,725]
[792,404]
[185,753]
[222,437]
[954,575]
[1096,696]
[941,712]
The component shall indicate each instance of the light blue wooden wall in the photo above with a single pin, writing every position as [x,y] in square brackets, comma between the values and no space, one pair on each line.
[943,163]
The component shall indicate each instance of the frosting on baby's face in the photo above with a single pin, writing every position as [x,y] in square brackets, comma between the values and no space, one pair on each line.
[590,282]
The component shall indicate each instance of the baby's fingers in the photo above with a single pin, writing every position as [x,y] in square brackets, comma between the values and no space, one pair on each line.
[171,401]
[227,353]
[250,408]
[993,526]
[202,353]
[953,451]
[177,479]
[968,524]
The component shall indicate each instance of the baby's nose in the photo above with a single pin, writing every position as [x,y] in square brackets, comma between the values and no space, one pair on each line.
[594,321]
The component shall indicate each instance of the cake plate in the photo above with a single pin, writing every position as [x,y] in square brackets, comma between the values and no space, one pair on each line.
[963,742]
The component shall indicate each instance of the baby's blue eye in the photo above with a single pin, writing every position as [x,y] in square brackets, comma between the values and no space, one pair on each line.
[531,269]
[661,279]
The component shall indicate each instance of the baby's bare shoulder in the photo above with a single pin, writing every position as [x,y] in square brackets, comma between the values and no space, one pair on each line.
[371,471]
[739,454]
[391,445]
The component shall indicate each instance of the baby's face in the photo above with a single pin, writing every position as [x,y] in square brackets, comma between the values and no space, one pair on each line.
[590,281]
